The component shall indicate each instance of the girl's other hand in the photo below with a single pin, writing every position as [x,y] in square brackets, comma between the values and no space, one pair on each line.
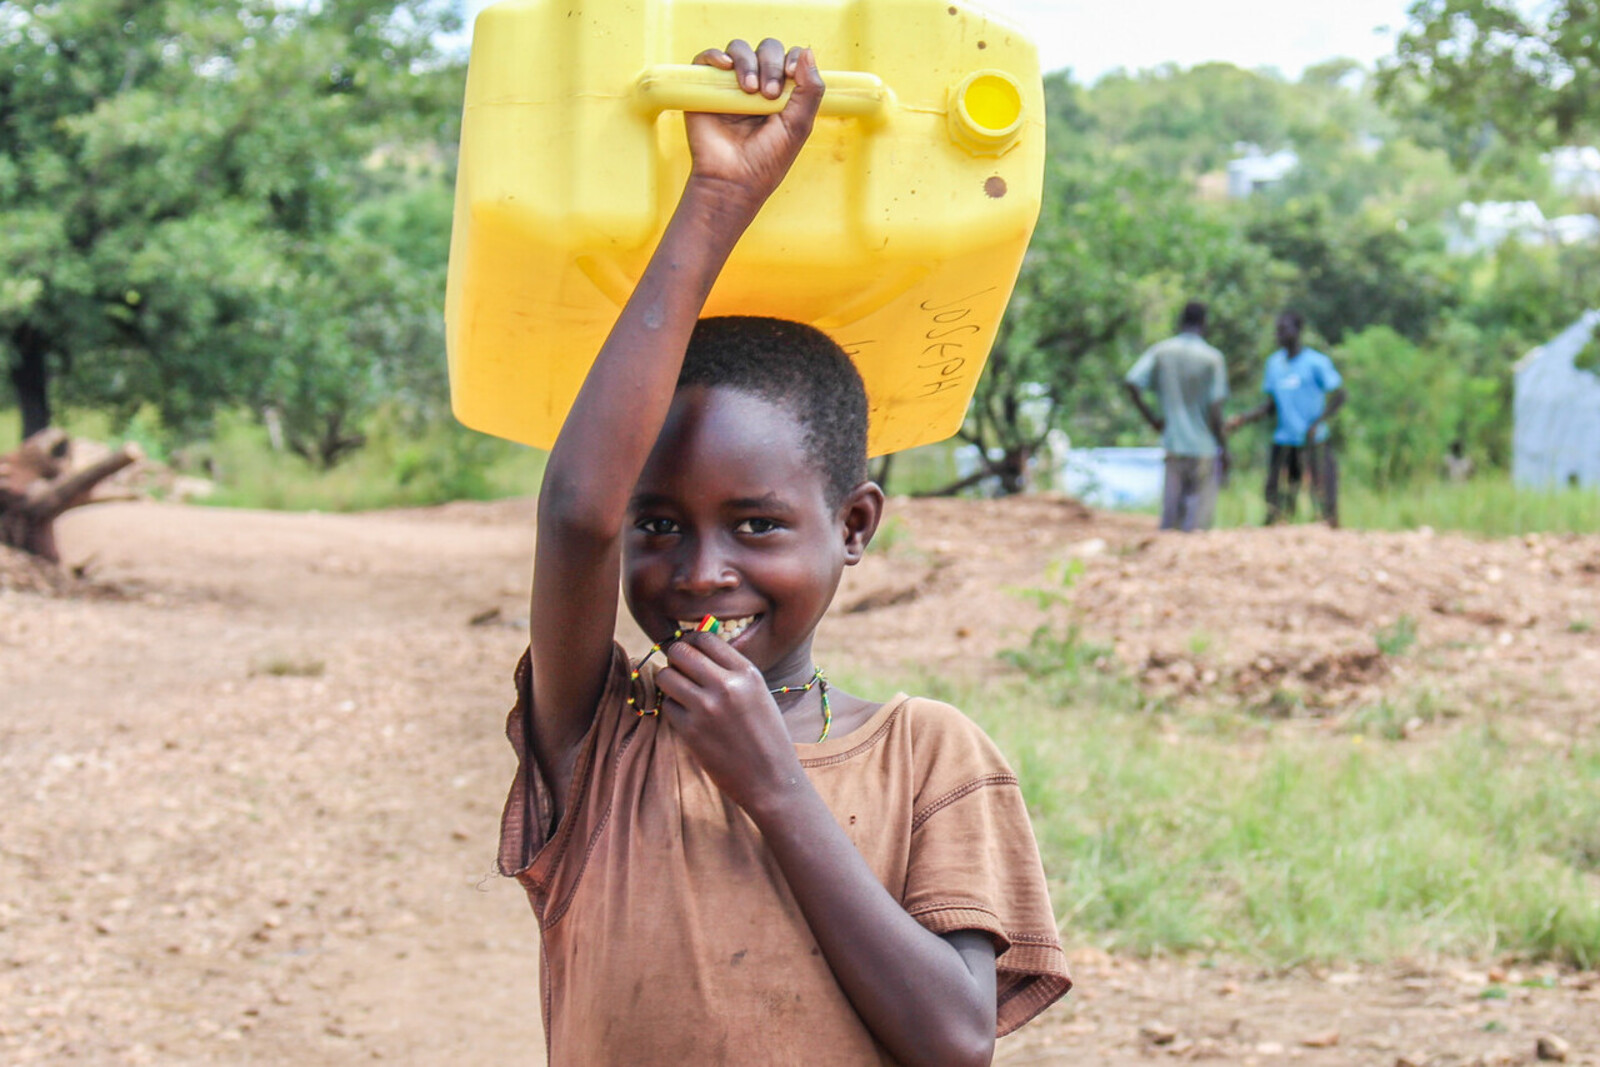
[718,701]
[753,152]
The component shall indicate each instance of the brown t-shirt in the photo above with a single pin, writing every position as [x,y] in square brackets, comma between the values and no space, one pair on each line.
[670,934]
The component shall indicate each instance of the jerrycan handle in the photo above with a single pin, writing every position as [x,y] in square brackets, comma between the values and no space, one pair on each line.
[696,87]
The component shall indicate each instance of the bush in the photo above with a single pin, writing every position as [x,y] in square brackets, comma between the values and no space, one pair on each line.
[1402,411]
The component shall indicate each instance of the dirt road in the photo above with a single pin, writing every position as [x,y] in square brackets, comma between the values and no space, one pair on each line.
[251,774]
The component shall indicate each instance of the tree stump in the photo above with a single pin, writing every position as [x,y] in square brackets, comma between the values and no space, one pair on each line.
[37,484]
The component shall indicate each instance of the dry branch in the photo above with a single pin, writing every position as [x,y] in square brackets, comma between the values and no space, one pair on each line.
[37,484]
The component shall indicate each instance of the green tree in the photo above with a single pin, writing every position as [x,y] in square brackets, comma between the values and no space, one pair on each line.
[179,182]
[1399,419]
[1352,272]
[1116,254]
[1527,75]
[1185,122]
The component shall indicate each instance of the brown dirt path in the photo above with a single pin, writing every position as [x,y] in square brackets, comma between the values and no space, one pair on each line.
[251,776]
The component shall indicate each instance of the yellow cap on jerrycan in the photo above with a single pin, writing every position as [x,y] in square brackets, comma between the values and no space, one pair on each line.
[899,230]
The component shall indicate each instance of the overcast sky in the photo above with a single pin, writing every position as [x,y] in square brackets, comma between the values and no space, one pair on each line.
[1094,36]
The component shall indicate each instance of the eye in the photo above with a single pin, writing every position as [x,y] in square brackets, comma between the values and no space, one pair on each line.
[655,526]
[755,526]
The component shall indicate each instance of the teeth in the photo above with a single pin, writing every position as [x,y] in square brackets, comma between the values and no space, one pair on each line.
[731,628]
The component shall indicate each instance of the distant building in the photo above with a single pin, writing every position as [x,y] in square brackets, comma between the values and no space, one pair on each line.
[1254,172]
[1486,226]
[1555,438]
[1480,227]
[1575,170]
[1574,229]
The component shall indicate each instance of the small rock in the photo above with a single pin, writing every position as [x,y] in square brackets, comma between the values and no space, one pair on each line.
[1158,1033]
[1326,1039]
[1094,546]
[1550,1047]
[1269,1048]
[1412,1060]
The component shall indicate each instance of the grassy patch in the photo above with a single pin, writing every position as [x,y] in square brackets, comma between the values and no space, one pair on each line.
[1488,505]
[400,466]
[1169,832]
[1397,638]
[403,464]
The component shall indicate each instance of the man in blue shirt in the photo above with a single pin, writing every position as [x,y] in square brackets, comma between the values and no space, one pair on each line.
[1191,381]
[1304,390]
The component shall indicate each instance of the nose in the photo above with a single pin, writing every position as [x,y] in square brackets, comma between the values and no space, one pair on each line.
[704,568]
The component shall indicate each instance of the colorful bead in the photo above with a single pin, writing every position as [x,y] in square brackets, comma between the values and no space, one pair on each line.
[818,680]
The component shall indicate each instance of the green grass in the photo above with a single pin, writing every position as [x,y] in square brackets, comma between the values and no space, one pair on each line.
[1216,831]
[1489,505]
[1299,849]
[397,468]
[1397,638]
[401,465]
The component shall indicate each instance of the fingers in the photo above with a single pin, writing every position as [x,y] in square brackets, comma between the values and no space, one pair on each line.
[701,655]
[744,65]
[764,68]
[770,59]
[704,672]
[714,57]
[679,692]
[801,111]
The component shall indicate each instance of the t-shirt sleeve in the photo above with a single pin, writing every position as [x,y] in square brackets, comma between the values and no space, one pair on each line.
[529,815]
[975,866]
[1138,375]
[1328,376]
[529,835]
[1219,380]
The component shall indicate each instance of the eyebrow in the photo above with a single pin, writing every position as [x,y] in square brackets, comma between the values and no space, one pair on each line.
[765,502]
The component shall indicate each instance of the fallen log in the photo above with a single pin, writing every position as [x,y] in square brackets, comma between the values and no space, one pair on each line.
[37,484]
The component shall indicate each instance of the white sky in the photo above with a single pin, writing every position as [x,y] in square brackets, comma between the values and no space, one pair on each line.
[1095,36]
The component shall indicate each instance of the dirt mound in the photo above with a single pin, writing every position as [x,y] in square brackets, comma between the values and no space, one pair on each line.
[1326,618]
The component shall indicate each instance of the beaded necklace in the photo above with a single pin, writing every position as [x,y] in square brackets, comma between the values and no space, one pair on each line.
[711,625]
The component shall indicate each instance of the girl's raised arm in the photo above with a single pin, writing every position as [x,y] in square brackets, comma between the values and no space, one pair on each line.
[619,411]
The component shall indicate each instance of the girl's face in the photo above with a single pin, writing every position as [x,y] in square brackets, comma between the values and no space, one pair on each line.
[731,518]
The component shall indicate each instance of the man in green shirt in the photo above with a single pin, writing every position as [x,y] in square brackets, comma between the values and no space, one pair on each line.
[1191,381]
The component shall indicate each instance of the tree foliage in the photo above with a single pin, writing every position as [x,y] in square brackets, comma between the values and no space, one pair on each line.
[1355,238]
[180,182]
[1531,75]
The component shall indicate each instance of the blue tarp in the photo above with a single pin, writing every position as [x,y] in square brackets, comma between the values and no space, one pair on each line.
[1556,434]
[1114,477]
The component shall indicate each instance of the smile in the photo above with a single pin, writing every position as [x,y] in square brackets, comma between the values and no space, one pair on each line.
[731,628]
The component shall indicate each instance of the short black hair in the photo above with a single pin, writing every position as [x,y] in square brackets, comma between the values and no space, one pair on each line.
[1293,317]
[799,367]
[1193,317]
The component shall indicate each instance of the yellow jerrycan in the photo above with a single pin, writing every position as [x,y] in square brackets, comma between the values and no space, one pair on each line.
[899,230]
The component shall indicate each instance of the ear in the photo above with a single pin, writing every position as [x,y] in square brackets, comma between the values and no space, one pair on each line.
[859,516]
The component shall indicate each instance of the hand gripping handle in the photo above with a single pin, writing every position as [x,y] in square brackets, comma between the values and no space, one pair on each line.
[696,87]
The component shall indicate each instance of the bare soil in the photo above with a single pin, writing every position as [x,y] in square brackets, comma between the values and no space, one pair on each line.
[251,768]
